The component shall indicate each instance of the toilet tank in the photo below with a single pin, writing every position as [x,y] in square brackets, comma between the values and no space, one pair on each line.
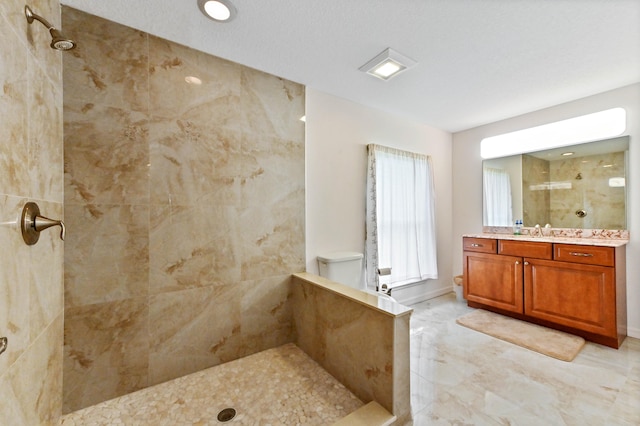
[344,267]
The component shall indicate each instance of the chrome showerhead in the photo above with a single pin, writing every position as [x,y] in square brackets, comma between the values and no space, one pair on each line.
[58,41]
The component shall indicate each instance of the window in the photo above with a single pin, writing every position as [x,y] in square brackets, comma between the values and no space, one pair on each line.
[400,223]
[497,197]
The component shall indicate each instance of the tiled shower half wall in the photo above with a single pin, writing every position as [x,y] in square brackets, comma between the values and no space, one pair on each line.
[184,205]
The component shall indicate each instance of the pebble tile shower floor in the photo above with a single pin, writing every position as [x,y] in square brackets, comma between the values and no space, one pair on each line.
[280,386]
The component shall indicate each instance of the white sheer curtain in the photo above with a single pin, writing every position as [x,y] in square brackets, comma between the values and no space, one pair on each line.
[401,230]
[497,198]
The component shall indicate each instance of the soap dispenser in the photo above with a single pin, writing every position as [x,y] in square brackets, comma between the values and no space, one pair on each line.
[517,230]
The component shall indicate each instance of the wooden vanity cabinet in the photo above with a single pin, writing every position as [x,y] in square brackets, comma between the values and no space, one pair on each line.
[493,280]
[580,289]
[571,294]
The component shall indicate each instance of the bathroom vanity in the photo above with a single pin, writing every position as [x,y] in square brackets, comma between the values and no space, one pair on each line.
[570,284]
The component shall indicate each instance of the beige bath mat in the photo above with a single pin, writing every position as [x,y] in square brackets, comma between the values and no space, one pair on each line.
[544,340]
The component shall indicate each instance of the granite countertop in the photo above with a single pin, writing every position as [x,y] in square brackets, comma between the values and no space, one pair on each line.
[606,242]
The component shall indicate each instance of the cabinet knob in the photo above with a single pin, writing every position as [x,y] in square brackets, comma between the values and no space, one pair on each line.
[526,263]
[517,262]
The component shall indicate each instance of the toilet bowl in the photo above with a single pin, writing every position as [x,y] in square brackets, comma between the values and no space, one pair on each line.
[345,267]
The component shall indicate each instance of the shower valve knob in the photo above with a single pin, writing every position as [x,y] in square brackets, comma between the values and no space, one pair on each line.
[32,224]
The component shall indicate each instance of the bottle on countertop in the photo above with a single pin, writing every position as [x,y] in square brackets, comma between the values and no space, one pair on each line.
[517,230]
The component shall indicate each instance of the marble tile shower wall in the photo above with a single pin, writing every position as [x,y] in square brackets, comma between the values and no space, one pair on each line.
[588,178]
[184,205]
[31,289]
[535,202]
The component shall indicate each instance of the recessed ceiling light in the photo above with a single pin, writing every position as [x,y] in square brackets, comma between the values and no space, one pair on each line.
[566,154]
[218,10]
[387,64]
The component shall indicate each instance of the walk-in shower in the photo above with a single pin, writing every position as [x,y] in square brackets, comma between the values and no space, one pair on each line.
[58,40]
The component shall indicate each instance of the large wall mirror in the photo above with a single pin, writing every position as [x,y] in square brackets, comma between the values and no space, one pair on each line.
[579,186]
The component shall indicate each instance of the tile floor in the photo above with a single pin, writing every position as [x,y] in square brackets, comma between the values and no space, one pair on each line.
[458,377]
[280,386]
[462,377]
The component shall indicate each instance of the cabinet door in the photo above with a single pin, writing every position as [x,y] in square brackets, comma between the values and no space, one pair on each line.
[493,280]
[575,295]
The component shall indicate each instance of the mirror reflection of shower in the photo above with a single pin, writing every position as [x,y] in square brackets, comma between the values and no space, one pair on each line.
[58,40]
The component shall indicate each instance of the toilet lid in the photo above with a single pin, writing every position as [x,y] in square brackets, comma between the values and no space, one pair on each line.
[340,256]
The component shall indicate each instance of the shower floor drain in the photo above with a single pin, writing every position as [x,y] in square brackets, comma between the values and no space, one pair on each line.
[226,415]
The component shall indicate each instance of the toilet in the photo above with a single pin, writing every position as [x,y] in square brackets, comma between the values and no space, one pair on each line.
[345,267]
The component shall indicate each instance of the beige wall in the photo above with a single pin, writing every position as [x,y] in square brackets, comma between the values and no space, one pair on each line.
[31,307]
[338,132]
[467,172]
[185,209]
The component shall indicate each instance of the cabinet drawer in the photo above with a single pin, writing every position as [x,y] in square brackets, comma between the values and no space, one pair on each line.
[591,255]
[482,245]
[525,249]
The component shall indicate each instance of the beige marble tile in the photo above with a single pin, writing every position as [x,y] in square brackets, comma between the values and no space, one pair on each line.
[15,279]
[44,134]
[106,155]
[266,313]
[192,330]
[12,16]
[108,67]
[14,162]
[31,389]
[172,97]
[189,248]
[194,159]
[106,253]
[354,341]
[272,171]
[46,273]
[272,240]
[224,211]
[365,355]
[402,369]
[271,106]
[31,164]
[106,350]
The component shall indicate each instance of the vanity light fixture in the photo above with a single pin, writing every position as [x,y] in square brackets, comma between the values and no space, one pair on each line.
[387,64]
[586,128]
[218,10]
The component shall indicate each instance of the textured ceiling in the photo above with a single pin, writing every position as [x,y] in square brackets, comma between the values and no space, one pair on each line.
[478,61]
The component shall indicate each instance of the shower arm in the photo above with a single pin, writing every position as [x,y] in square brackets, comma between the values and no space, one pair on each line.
[31,16]
[58,40]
